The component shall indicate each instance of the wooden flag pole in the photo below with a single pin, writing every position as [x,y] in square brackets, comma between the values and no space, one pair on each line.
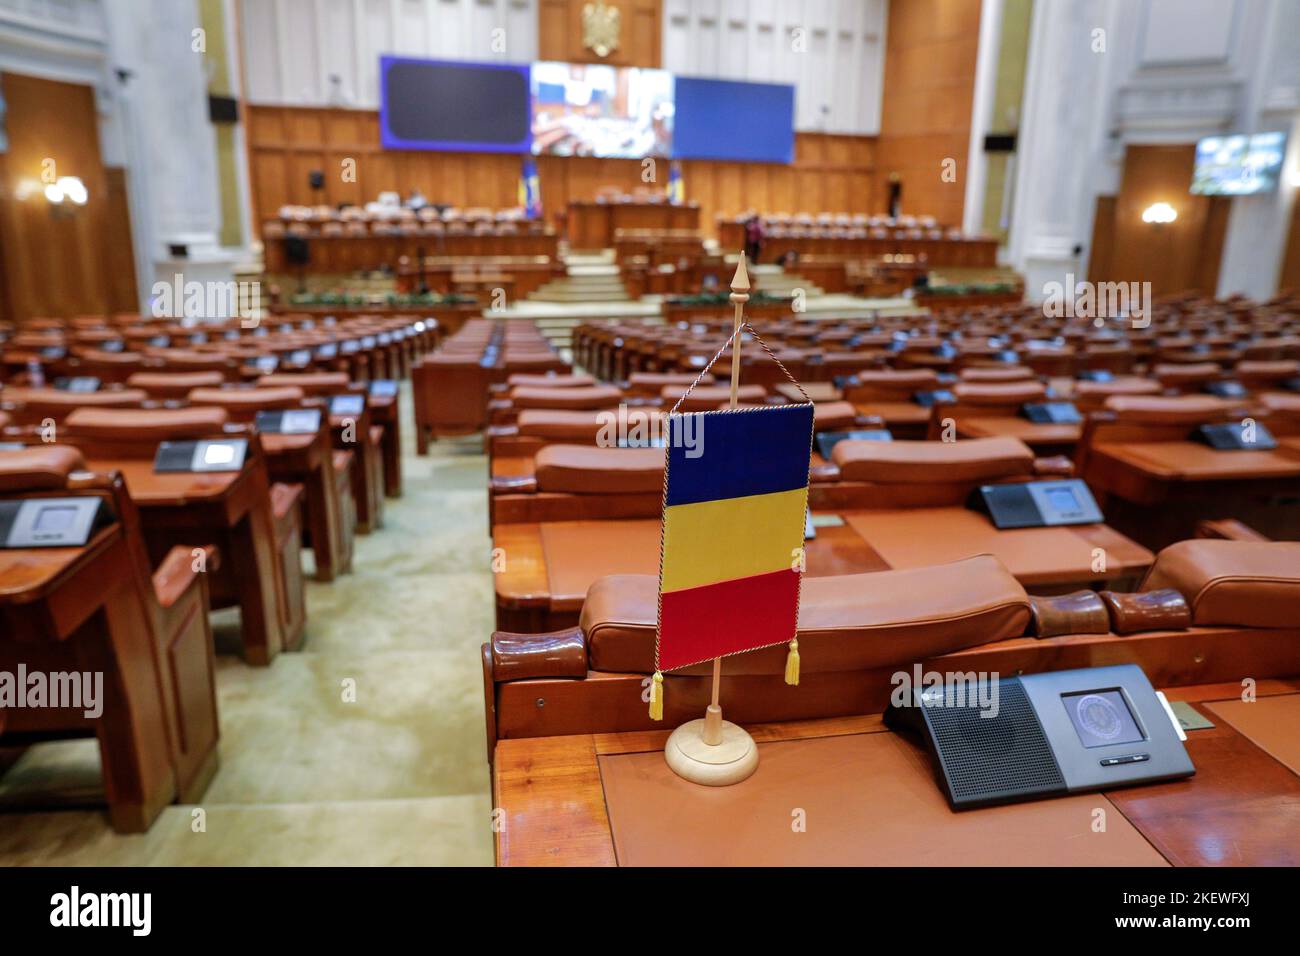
[739,296]
[713,751]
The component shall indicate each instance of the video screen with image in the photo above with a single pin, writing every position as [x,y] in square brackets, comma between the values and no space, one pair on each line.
[1238,165]
[601,111]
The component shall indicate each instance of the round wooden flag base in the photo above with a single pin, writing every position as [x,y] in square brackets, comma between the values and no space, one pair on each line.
[732,759]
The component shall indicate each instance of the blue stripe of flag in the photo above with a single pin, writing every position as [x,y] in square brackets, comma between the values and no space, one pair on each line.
[741,453]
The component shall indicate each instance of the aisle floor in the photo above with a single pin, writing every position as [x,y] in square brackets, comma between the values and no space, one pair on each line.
[398,777]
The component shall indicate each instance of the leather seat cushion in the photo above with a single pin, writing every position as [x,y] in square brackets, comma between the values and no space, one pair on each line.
[38,467]
[581,469]
[905,462]
[1233,583]
[591,396]
[157,424]
[846,622]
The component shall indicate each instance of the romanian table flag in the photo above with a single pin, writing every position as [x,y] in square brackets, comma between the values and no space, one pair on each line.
[530,190]
[735,495]
[676,186]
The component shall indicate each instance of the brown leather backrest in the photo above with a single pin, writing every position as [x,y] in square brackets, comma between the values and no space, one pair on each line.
[174,383]
[38,467]
[903,381]
[1173,373]
[654,382]
[157,424]
[581,469]
[592,396]
[846,622]
[54,398]
[1120,385]
[531,380]
[1233,583]
[246,398]
[1282,404]
[999,393]
[707,397]
[312,383]
[585,426]
[928,462]
[1009,373]
[1160,410]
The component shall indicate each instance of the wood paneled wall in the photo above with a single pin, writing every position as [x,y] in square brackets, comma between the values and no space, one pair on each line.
[1289,276]
[559,32]
[60,260]
[930,53]
[1174,257]
[830,173]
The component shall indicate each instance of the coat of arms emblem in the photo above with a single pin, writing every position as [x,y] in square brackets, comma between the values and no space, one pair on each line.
[600,23]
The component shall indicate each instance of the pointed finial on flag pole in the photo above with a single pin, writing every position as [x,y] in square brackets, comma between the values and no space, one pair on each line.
[739,296]
[740,281]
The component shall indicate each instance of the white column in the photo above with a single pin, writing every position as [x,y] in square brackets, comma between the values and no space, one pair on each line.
[1258,225]
[986,84]
[170,144]
[1060,143]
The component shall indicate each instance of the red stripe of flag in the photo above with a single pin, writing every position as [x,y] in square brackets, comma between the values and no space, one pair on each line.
[697,624]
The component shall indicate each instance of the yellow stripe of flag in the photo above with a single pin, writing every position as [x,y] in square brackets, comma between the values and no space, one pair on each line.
[729,538]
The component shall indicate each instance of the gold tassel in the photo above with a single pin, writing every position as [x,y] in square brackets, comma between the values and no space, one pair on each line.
[657,696]
[792,664]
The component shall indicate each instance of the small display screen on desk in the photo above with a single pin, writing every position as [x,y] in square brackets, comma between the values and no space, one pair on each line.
[1101,718]
[347,404]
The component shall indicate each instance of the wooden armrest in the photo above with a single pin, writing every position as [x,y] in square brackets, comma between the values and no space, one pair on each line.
[525,656]
[1229,529]
[823,473]
[1161,610]
[1054,466]
[521,484]
[1080,612]
[500,405]
[175,575]
[502,431]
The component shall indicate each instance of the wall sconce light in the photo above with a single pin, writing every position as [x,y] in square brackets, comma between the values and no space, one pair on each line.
[70,188]
[1159,213]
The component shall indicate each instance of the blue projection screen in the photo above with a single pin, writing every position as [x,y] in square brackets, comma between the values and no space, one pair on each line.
[723,119]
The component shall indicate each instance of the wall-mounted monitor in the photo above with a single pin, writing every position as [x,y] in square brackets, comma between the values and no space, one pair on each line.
[602,111]
[466,107]
[1238,165]
[728,120]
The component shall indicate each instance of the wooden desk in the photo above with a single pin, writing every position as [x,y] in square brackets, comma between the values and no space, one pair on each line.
[308,460]
[592,225]
[1044,439]
[1155,492]
[1233,811]
[91,609]
[232,511]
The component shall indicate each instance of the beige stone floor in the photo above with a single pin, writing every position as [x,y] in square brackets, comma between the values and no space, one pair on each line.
[398,777]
